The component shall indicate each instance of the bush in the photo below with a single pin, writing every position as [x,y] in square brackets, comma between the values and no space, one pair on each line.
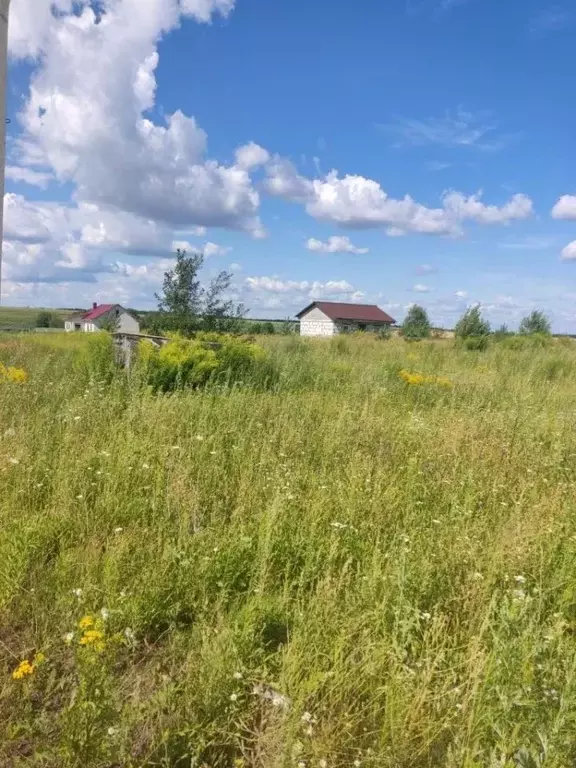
[472,324]
[385,333]
[416,325]
[96,358]
[268,328]
[535,323]
[47,319]
[208,357]
[476,343]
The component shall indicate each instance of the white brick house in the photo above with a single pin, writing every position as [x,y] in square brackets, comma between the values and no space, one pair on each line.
[101,316]
[327,318]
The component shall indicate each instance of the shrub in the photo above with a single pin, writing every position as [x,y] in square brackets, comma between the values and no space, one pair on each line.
[416,324]
[268,328]
[472,324]
[476,343]
[535,323]
[47,319]
[385,333]
[209,356]
[96,357]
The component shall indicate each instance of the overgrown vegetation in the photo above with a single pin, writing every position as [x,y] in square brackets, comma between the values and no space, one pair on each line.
[416,325]
[369,564]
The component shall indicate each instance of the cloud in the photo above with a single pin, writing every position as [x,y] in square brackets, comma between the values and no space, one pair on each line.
[357,202]
[251,156]
[335,244]
[273,292]
[461,208]
[565,208]
[213,249]
[461,295]
[530,243]
[28,176]
[85,118]
[459,129]
[569,252]
[421,288]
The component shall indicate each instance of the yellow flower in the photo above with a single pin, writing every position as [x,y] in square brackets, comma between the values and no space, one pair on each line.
[86,622]
[24,669]
[93,638]
[16,375]
[414,379]
[444,382]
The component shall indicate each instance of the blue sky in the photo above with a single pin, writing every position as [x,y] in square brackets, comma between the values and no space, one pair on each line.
[407,151]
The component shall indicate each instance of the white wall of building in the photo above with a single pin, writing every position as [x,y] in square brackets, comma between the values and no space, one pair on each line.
[316,323]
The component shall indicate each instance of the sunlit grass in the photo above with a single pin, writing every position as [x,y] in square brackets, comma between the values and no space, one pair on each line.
[353,568]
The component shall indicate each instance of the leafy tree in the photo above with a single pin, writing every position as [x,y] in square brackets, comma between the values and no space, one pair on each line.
[472,324]
[186,306]
[535,322]
[46,320]
[416,324]
[268,328]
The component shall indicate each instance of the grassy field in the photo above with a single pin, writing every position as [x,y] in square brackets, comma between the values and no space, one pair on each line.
[360,567]
[25,317]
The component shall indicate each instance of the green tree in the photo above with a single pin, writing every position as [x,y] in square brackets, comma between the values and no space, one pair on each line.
[46,320]
[416,324]
[535,322]
[472,324]
[186,306]
[268,328]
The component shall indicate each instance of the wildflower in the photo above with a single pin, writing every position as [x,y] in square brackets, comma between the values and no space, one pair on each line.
[356,763]
[77,592]
[145,466]
[234,697]
[129,635]
[338,526]
[105,613]
[306,717]
[520,579]
[213,453]
[68,637]
[426,616]
[14,461]
[94,638]
[323,763]
[118,530]
[478,576]
[237,675]
[80,497]
[76,418]
[436,522]
[112,731]
[86,622]
[24,669]
[15,375]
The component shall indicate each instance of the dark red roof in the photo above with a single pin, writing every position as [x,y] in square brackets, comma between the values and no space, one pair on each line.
[364,313]
[98,311]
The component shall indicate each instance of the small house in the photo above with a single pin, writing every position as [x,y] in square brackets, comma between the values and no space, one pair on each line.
[102,317]
[327,318]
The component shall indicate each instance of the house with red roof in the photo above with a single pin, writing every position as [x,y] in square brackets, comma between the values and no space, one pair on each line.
[328,318]
[103,317]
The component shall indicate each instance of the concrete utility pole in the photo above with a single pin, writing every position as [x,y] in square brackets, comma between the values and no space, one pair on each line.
[4,11]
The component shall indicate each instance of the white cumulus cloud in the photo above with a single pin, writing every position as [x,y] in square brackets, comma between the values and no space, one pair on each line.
[335,244]
[565,208]
[421,288]
[569,252]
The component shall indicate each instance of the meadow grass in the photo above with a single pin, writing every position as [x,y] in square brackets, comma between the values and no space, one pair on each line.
[347,569]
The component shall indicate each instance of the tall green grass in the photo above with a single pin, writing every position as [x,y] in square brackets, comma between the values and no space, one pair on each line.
[342,570]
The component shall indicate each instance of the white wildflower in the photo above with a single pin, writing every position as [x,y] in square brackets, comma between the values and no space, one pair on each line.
[478,576]
[80,497]
[105,613]
[77,592]
[234,697]
[338,526]
[112,731]
[14,461]
[68,637]
[356,763]
[436,522]
[323,763]
[118,530]
[145,466]
[520,579]
[129,635]
[76,418]
[237,675]
[200,437]
[426,616]
[306,717]
[213,453]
